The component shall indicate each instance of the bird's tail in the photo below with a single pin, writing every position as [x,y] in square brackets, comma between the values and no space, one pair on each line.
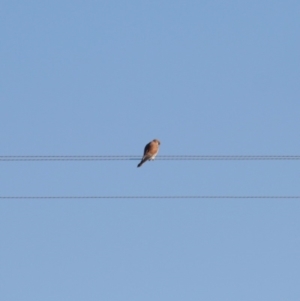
[143,161]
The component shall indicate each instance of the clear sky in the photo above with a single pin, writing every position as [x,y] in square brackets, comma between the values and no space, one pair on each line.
[107,77]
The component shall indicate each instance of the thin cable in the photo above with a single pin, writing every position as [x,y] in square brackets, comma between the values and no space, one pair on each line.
[125,158]
[149,197]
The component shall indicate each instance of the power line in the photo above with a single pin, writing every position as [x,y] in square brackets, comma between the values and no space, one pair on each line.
[151,197]
[134,157]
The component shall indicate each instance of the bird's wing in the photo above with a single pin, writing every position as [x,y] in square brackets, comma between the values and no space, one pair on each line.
[147,148]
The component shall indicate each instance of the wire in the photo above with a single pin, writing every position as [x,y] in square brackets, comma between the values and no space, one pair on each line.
[151,197]
[125,158]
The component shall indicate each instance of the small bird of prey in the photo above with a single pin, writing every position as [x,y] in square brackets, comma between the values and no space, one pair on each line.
[150,151]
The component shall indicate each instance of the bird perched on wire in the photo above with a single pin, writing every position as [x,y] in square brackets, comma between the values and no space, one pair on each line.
[150,151]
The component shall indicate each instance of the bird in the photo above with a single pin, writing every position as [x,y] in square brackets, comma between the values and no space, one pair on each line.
[150,151]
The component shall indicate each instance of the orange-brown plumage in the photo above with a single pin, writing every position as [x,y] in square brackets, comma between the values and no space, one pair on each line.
[150,151]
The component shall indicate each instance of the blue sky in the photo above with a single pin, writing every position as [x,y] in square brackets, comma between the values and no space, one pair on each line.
[107,77]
